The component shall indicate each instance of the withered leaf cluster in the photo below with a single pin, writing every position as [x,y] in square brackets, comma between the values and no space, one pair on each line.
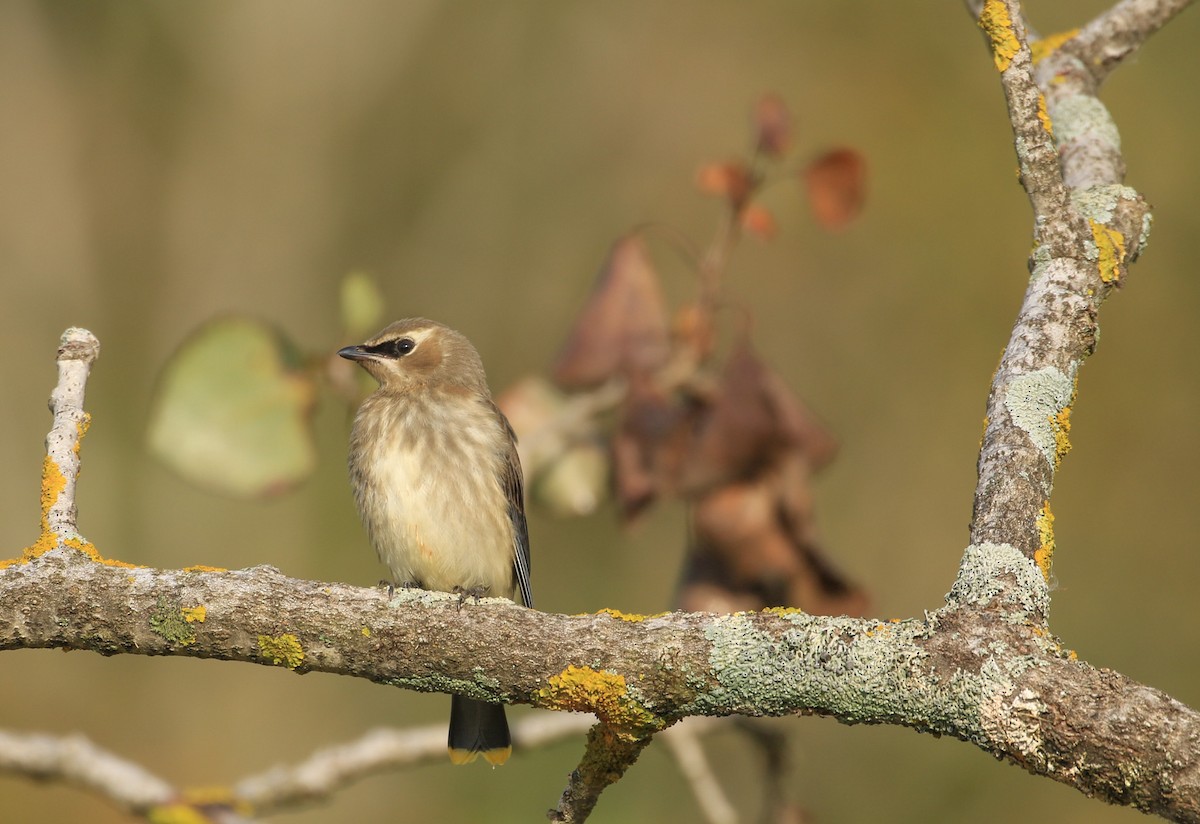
[731,440]
[726,436]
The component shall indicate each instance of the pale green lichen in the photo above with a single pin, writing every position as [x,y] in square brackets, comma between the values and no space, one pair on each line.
[1034,401]
[1078,116]
[989,571]
[837,664]
[1099,203]
[170,622]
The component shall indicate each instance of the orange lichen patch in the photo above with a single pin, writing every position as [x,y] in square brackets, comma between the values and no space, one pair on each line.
[89,549]
[623,616]
[606,694]
[53,483]
[194,615]
[203,568]
[1043,556]
[1041,49]
[1044,116]
[1110,246]
[177,813]
[282,649]
[215,797]
[998,25]
[81,429]
[1062,432]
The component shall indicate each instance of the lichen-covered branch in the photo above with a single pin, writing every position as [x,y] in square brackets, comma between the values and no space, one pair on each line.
[1106,41]
[972,670]
[607,755]
[1088,229]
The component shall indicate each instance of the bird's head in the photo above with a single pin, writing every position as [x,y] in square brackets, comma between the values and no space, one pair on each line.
[415,354]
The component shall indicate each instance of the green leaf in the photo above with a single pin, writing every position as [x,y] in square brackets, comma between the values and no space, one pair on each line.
[362,305]
[232,410]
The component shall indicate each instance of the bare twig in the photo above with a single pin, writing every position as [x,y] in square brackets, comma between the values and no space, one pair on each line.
[77,351]
[327,771]
[1116,34]
[683,741]
[77,761]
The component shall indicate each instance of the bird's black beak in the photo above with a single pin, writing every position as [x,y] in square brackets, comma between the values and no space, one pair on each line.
[358,353]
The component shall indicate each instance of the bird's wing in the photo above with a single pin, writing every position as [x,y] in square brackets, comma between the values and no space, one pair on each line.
[514,491]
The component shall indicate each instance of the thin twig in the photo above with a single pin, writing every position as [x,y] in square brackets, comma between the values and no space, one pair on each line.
[77,761]
[1110,38]
[683,742]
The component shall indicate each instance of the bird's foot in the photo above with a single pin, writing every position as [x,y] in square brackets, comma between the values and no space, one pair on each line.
[464,593]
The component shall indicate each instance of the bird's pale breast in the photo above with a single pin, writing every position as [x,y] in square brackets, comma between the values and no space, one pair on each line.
[427,476]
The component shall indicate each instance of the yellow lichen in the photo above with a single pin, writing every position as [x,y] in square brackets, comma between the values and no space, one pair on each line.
[1044,116]
[1110,246]
[366,631]
[998,25]
[282,649]
[1062,434]
[194,615]
[1043,556]
[217,796]
[176,814]
[1041,49]
[623,616]
[784,610]
[606,694]
[203,568]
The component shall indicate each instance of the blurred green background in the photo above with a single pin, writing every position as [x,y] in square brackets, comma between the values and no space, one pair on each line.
[164,163]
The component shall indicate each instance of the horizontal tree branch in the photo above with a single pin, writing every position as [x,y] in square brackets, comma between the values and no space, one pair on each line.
[980,669]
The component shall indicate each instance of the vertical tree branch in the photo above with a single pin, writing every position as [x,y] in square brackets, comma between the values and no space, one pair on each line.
[1088,228]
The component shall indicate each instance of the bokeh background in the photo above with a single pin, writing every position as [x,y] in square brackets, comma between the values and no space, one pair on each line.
[161,164]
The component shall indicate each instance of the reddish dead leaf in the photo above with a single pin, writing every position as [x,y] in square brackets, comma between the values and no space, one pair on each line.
[649,446]
[836,186]
[822,588]
[731,180]
[622,328]
[740,429]
[737,524]
[799,426]
[759,221]
[693,328]
[754,545]
[772,126]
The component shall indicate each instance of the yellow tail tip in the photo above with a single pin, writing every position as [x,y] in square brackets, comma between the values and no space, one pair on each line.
[494,757]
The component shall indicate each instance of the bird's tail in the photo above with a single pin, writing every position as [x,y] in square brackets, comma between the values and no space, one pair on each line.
[477,727]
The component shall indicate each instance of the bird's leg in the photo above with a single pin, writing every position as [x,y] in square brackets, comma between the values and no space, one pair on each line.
[464,593]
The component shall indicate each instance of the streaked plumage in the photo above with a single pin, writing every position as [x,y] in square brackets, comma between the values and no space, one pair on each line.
[437,481]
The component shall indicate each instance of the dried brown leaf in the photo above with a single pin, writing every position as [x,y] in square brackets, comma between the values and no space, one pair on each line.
[649,446]
[622,329]
[740,430]
[799,427]
[836,185]
[731,180]
[758,221]
[772,126]
[693,328]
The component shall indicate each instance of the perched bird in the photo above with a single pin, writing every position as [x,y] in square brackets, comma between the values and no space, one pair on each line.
[437,481]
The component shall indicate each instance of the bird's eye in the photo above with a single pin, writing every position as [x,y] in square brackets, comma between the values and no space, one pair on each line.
[402,347]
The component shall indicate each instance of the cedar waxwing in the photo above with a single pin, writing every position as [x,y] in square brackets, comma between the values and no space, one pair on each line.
[437,481]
